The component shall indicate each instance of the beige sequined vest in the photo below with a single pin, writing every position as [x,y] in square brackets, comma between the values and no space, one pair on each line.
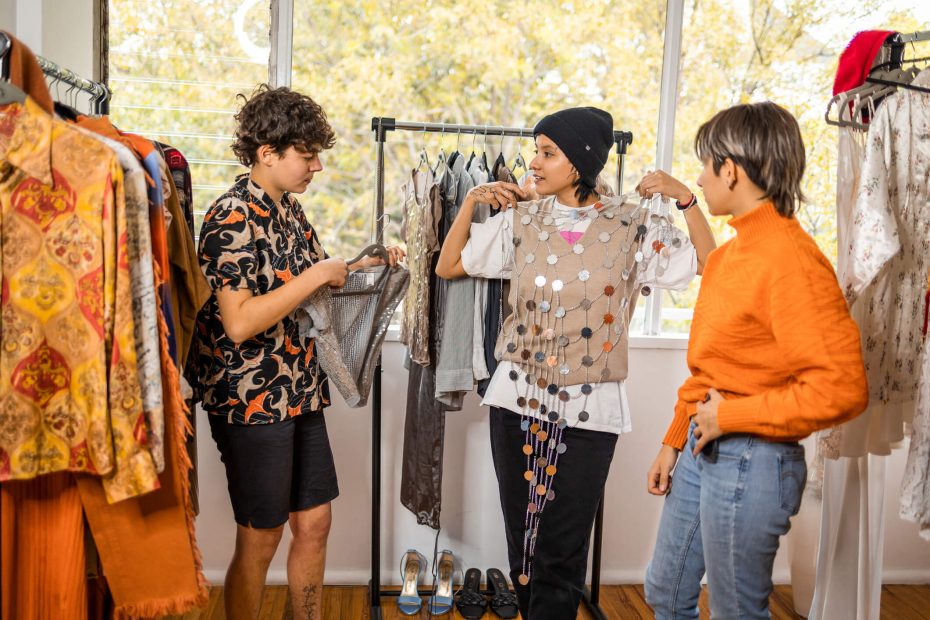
[572,303]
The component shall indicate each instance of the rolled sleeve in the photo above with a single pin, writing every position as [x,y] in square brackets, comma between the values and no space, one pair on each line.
[675,271]
[489,250]
[227,248]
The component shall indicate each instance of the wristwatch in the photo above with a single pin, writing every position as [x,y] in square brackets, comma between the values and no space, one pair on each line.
[687,205]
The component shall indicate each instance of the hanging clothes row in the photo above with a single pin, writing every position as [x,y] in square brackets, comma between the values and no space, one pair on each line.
[100,286]
[443,363]
[882,107]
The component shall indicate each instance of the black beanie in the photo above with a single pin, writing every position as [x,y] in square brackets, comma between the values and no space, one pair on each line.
[585,135]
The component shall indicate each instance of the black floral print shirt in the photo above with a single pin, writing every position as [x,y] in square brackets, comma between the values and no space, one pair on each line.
[247,241]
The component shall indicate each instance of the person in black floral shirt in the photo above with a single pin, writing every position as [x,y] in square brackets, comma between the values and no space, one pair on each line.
[257,377]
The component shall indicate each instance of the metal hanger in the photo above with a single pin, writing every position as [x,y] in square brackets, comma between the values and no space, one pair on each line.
[375,249]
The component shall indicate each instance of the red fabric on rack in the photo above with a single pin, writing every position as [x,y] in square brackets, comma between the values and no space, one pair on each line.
[857,59]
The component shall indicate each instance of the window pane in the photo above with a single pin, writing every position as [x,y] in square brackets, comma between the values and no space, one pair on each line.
[175,69]
[785,51]
[490,63]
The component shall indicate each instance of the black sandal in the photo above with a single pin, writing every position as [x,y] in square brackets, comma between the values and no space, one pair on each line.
[469,601]
[503,601]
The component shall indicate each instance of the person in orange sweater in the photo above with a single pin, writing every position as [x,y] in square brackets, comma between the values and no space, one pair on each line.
[774,356]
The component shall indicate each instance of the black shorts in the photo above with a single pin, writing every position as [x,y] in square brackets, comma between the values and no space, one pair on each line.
[275,469]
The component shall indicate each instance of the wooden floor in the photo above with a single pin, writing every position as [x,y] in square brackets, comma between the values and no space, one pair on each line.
[618,602]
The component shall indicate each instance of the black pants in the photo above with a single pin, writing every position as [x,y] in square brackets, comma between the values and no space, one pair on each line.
[561,555]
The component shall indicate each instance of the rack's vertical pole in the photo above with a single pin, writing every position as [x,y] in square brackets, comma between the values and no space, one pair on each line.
[375,585]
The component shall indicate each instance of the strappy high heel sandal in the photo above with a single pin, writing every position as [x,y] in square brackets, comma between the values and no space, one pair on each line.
[440,602]
[412,564]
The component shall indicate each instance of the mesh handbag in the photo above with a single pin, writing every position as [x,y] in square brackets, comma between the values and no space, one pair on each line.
[349,325]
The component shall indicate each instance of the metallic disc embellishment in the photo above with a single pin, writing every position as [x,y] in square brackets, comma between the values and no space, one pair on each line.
[530,379]
[530,259]
[534,428]
[551,361]
[543,236]
[676,242]
[553,389]
[516,241]
[609,215]
[584,275]
[549,334]
[625,274]
[528,475]
[521,402]
[608,318]
[534,404]
[605,373]
[641,230]
[540,281]
[609,290]
[551,470]
[564,369]
[561,424]
[542,461]
[553,416]
[563,341]
[578,248]
[530,305]
[548,220]
[513,375]
[523,579]
[585,304]
[552,259]
[563,396]
[511,347]
[540,489]
[639,256]
[557,285]
[587,361]
[559,312]
[527,449]
[646,291]
[608,347]
[550,495]
[521,329]
[583,416]
[542,436]
[604,237]
[537,329]
[561,448]
[586,389]
[541,383]
[586,332]
[524,425]
[540,357]
[526,219]
[533,209]
[544,306]
[525,354]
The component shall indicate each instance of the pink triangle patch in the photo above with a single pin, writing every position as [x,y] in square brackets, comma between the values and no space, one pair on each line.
[571,237]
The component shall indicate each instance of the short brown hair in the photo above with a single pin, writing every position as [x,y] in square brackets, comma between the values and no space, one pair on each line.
[280,118]
[765,140]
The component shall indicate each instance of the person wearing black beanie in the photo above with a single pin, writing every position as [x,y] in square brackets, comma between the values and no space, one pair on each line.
[585,135]
[576,260]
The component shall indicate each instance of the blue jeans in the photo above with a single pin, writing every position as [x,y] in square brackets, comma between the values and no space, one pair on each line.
[725,513]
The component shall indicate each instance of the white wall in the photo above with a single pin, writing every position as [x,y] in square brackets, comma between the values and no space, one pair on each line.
[62,30]
[471,519]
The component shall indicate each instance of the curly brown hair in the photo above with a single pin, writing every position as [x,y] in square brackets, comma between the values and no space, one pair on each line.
[280,118]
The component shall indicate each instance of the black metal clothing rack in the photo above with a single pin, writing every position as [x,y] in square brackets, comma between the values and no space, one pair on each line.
[99,93]
[380,126]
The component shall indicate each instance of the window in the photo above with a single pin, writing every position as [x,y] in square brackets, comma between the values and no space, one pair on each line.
[786,51]
[175,69]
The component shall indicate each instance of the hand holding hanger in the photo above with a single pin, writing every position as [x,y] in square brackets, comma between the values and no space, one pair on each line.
[664,184]
[376,254]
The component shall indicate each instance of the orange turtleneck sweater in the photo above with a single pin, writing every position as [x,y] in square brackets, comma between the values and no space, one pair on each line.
[772,333]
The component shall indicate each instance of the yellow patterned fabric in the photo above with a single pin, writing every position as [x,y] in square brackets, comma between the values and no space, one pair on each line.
[69,392]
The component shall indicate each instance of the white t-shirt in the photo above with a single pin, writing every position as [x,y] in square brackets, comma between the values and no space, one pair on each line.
[489,254]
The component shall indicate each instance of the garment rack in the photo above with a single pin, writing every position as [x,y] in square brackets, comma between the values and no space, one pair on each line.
[380,126]
[100,94]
